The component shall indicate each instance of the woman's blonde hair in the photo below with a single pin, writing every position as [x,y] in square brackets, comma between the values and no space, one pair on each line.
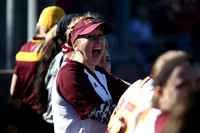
[163,59]
[39,47]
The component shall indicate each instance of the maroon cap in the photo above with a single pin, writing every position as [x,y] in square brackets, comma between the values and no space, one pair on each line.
[87,25]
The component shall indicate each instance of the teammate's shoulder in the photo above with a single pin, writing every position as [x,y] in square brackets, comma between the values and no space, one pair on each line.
[148,81]
[72,67]
[141,83]
[133,87]
[136,83]
[145,84]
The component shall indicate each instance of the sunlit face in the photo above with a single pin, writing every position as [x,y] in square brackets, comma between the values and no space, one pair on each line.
[90,48]
[182,81]
[105,61]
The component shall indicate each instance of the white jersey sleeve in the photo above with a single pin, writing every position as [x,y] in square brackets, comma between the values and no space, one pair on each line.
[134,100]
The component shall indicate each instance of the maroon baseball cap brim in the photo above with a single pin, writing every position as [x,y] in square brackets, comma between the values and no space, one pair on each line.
[87,25]
[106,28]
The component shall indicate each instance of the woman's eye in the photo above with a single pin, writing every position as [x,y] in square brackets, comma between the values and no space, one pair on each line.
[100,35]
[90,37]
[107,60]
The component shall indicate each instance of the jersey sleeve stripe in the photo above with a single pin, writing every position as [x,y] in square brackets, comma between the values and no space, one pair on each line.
[28,56]
[35,41]
[144,81]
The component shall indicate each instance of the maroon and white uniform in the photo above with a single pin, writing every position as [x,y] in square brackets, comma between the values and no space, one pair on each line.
[136,99]
[83,100]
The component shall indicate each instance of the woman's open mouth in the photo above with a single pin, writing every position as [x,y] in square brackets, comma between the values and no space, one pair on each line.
[96,52]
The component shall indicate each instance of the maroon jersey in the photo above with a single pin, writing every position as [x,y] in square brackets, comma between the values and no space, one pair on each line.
[25,68]
[75,85]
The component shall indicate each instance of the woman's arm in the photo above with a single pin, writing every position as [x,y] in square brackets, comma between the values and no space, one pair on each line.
[13,92]
[102,113]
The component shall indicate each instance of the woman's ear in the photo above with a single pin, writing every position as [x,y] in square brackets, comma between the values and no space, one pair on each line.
[158,91]
[76,48]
